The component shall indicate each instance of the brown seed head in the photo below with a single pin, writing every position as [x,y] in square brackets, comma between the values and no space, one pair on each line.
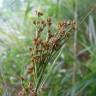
[40,30]
[67,34]
[34,22]
[38,22]
[30,48]
[54,40]
[29,71]
[37,41]
[49,19]
[39,13]
[73,23]
[68,22]
[46,45]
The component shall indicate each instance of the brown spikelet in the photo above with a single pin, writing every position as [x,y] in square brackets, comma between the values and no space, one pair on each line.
[39,13]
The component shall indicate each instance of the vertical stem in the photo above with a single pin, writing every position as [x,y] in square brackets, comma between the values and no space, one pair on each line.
[75,44]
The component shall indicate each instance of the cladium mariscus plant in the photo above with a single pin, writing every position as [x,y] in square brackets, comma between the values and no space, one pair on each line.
[43,51]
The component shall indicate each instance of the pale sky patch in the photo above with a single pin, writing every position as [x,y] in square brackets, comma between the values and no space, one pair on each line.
[1,3]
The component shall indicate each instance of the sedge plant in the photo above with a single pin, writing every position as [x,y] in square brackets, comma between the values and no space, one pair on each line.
[43,51]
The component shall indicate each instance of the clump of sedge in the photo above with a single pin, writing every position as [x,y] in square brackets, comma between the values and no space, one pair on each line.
[44,49]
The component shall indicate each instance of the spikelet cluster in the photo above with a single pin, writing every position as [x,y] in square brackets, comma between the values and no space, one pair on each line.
[42,49]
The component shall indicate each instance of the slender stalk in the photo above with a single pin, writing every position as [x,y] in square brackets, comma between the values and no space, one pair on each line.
[74,45]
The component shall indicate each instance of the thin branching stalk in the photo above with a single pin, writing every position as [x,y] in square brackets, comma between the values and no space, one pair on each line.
[75,46]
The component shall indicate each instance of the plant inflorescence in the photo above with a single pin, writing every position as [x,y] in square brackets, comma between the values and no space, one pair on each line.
[43,50]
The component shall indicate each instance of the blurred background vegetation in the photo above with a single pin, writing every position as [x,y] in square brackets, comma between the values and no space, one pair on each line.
[74,73]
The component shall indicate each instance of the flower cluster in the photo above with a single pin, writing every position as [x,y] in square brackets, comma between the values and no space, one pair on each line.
[42,49]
